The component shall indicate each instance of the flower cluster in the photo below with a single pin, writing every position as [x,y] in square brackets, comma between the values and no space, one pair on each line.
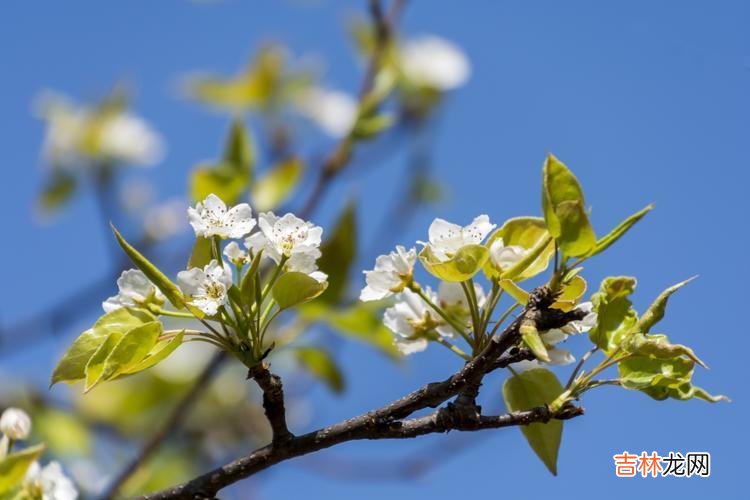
[460,307]
[47,482]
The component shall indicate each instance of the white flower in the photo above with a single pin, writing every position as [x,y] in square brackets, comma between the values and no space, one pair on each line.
[134,289]
[333,111]
[206,287]
[447,238]
[506,256]
[235,254]
[285,236]
[211,218]
[412,320]
[15,424]
[434,62]
[391,273]
[127,138]
[583,325]
[303,260]
[451,296]
[165,220]
[50,482]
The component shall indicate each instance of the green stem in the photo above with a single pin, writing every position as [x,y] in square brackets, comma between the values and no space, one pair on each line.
[461,331]
[440,340]
[174,314]
[503,318]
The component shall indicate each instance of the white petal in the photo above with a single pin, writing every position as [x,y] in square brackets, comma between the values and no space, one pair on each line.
[240,220]
[190,280]
[435,62]
[479,228]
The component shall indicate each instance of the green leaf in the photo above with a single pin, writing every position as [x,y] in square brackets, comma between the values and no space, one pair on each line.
[615,314]
[564,209]
[338,254]
[683,392]
[201,253]
[640,372]
[247,286]
[14,466]
[655,311]
[361,321]
[239,151]
[57,192]
[95,366]
[370,126]
[64,432]
[529,233]
[570,293]
[467,262]
[223,180]
[527,390]
[295,288]
[605,242]
[533,341]
[157,354]
[159,279]
[277,184]
[515,291]
[72,366]
[322,366]
[658,346]
[131,349]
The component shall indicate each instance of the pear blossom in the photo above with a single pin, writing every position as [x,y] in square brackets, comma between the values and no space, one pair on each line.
[505,256]
[434,62]
[412,320]
[127,138]
[211,218]
[49,482]
[285,236]
[15,424]
[451,296]
[207,287]
[235,254]
[447,238]
[391,274]
[165,219]
[333,111]
[134,290]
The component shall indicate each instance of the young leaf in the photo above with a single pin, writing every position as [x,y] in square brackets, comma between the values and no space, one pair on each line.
[295,288]
[239,151]
[529,233]
[95,366]
[515,291]
[322,366]
[605,242]
[158,353]
[533,341]
[564,209]
[276,184]
[159,279]
[615,314]
[570,293]
[72,366]
[467,262]
[223,180]
[338,254]
[658,346]
[13,468]
[201,254]
[527,390]
[132,348]
[655,311]
[247,286]
[57,192]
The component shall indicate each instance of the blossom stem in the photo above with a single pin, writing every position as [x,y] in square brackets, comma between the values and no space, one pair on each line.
[174,314]
[461,331]
[440,340]
[502,319]
[471,297]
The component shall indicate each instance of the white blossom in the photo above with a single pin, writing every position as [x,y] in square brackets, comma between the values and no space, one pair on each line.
[333,111]
[127,138]
[285,236]
[412,320]
[235,254]
[506,256]
[207,287]
[391,274]
[15,424]
[50,482]
[447,238]
[165,219]
[211,218]
[434,62]
[134,289]
[451,296]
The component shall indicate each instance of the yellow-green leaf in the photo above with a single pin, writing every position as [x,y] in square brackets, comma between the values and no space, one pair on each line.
[515,291]
[295,288]
[95,366]
[157,354]
[529,233]
[570,293]
[606,241]
[466,262]
[527,390]
[564,209]
[533,341]
[131,349]
[223,180]
[655,311]
[277,184]
[615,314]
[322,366]
[14,466]
[338,253]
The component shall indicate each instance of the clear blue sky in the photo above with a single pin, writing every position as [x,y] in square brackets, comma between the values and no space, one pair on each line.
[646,101]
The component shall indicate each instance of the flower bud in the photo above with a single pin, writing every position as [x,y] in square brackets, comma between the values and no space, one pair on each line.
[15,423]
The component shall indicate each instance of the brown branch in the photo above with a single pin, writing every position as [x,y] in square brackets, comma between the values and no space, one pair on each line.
[387,422]
[273,402]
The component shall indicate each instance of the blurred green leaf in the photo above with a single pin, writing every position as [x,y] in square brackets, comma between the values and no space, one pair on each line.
[527,390]
[57,191]
[64,432]
[322,366]
[564,209]
[201,253]
[277,184]
[338,254]
[14,466]
[222,180]
[239,151]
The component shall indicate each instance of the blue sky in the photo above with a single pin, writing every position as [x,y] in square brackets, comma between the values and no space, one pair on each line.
[645,101]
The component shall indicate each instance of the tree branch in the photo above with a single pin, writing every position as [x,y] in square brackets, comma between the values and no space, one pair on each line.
[273,402]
